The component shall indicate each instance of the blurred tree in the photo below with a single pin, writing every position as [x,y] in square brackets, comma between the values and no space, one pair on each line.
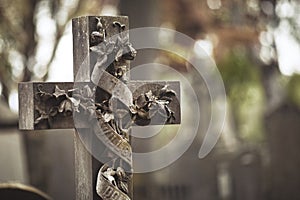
[255,45]
[29,36]
[244,35]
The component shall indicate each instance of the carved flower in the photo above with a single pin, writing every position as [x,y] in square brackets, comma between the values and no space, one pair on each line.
[150,104]
[108,117]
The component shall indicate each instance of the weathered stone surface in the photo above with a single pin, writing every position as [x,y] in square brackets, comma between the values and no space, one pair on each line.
[28,104]
[51,105]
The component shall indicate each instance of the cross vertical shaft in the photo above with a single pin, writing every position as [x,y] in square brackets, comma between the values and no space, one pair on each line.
[88,32]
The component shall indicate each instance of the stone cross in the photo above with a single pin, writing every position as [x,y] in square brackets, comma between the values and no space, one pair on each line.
[101,104]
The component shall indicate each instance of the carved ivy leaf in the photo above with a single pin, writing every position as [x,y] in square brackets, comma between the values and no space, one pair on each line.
[119,55]
[166,94]
[75,102]
[141,101]
[152,112]
[129,52]
[65,107]
[143,114]
[59,92]
[150,104]
[53,111]
[119,25]
[108,117]
[150,96]
[125,50]
[97,37]
[102,107]
[61,106]
[157,107]
[133,109]
[99,49]
[162,102]
[120,71]
[42,115]
[41,95]
[40,118]
[170,113]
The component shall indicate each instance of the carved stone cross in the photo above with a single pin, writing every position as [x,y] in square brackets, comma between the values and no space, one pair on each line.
[101,104]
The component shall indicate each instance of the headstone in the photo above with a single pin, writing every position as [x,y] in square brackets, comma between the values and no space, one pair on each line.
[282,127]
[45,157]
[13,163]
[17,191]
[246,176]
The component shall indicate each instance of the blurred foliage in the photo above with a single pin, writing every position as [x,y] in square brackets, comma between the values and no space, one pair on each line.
[245,50]
[21,37]
[242,79]
[237,69]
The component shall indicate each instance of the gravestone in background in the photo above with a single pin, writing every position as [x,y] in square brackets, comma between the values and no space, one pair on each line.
[246,176]
[13,165]
[16,191]
[283,136]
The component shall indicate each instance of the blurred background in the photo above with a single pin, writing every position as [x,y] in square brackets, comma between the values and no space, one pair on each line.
[256,46]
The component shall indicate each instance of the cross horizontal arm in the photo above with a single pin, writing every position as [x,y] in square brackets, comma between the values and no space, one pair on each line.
[50,105]
[33,108]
